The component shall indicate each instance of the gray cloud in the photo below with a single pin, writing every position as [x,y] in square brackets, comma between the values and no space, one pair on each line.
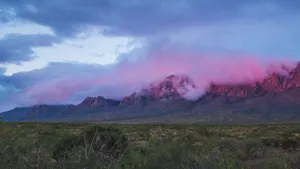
[220,25]
[15,48]
[5,14]
[146,17]
[6,92]
[2,70]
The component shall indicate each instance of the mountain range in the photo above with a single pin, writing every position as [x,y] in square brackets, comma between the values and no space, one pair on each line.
[276,98]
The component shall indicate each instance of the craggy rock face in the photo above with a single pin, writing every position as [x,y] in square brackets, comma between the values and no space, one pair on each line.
[172,87]
[92,101]
[132,99]
[96,102]
[272,83]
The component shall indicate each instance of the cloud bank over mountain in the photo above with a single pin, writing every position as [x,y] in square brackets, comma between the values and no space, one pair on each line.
[211,41]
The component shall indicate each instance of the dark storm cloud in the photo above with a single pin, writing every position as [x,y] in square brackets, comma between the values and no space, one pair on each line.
[15,48]
[141,17]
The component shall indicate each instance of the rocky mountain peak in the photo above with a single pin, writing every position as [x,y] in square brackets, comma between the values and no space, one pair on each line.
[275,82]
[174,85]
[134,98]
[171,87]
[93,101]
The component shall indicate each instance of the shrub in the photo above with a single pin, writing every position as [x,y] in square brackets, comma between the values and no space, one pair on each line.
[203,131]
[271,142]
[254,149]
[289,144]
[228,144]
[283,163]
[96,145]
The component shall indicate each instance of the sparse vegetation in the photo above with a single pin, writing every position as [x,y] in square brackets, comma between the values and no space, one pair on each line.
[149,146]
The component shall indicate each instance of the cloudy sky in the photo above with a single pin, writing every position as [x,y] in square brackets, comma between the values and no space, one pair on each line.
[61,51]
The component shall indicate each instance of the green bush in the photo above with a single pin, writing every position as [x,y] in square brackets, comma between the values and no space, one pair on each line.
[95,146]
[228,144]
[283,163]
[177,155]
[203,131]
[289,144]
[271,142]
[254,149]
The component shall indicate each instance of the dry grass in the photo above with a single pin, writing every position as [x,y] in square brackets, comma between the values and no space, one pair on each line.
[31,145]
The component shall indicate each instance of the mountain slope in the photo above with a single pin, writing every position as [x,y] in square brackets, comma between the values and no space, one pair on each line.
[39,112]
[275,98]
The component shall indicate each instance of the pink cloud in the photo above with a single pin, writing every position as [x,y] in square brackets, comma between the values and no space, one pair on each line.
[124,77]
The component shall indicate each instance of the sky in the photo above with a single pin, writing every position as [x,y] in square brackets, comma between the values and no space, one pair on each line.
[61,51]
